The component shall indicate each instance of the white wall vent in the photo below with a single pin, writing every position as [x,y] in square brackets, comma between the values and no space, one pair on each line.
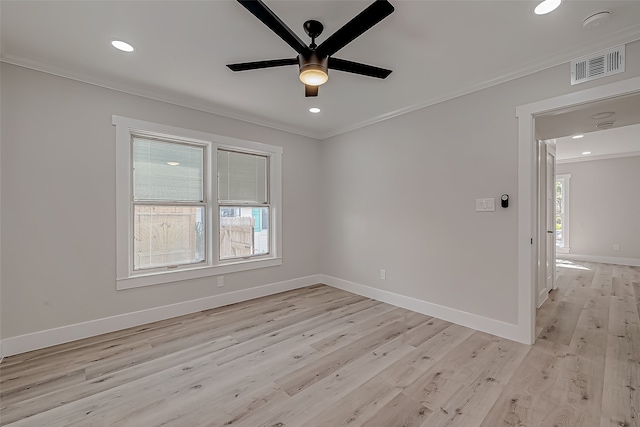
[597,65]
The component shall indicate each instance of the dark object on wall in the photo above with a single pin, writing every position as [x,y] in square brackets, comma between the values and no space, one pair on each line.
[504,200]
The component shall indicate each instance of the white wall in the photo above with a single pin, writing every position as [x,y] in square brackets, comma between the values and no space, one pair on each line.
[58,202]
[604,207]
[400,196]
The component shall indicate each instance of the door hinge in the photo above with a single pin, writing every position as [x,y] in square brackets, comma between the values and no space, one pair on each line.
[532,240]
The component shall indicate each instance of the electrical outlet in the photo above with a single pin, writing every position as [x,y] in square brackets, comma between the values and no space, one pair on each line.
[220,281]
[616,247]
[383,274]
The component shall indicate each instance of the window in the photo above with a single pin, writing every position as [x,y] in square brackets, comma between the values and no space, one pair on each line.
[243,198]
[192,204]
[562,213]
[168,203]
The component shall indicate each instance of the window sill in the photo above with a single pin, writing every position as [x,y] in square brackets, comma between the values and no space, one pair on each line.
[157,278]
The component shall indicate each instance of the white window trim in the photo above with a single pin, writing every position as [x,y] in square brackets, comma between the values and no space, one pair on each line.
[126,277]
[566,186]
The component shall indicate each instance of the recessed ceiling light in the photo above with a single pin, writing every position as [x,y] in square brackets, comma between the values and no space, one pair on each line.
[123,46]
[173,163]
[586,152]
[577,136]
[601,116]
[314,110]
[547,6]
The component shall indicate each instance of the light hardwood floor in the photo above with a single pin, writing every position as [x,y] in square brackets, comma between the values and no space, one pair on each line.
[319,356]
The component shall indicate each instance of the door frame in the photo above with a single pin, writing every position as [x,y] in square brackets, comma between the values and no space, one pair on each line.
[528,209]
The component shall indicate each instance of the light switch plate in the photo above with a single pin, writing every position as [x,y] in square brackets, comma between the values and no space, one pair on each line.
[486,205]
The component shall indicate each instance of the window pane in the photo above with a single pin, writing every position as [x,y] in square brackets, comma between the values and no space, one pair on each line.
[244,231]
[167,171]
[167,235]
[242,177]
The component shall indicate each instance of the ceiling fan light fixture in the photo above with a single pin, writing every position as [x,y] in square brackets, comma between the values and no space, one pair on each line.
[313,77]
[314,71]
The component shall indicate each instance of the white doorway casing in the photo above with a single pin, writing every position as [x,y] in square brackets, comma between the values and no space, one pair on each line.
[528,197]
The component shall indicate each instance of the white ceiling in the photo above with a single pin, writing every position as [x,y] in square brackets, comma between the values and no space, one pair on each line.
[622,139]
[583,119]
[436,49]
[616,142]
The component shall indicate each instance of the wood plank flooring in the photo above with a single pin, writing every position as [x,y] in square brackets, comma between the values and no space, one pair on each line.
[319,356]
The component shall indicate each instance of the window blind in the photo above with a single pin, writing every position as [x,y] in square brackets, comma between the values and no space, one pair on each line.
[167,171]
[242,178]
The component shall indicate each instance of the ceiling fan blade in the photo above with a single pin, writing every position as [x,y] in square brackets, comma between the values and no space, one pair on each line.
[369,17]
[310,90]
[271,20]
[358,68]
[244,66]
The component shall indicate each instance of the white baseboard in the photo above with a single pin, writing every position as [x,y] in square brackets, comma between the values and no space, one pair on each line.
[603,259]
[50,337]
[473,321]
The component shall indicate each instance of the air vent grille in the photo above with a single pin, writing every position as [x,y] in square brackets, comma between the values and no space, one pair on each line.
[605,125]
[597,65]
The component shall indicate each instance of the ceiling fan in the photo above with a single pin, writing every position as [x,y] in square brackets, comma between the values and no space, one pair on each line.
[315,61]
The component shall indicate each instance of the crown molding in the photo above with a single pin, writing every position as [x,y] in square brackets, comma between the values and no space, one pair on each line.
[162,97]
[624,36]
[601,157]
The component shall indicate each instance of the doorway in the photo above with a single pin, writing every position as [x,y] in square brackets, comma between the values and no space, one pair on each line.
[530,267]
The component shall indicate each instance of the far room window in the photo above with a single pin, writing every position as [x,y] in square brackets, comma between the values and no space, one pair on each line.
[562,213]
[191,204]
